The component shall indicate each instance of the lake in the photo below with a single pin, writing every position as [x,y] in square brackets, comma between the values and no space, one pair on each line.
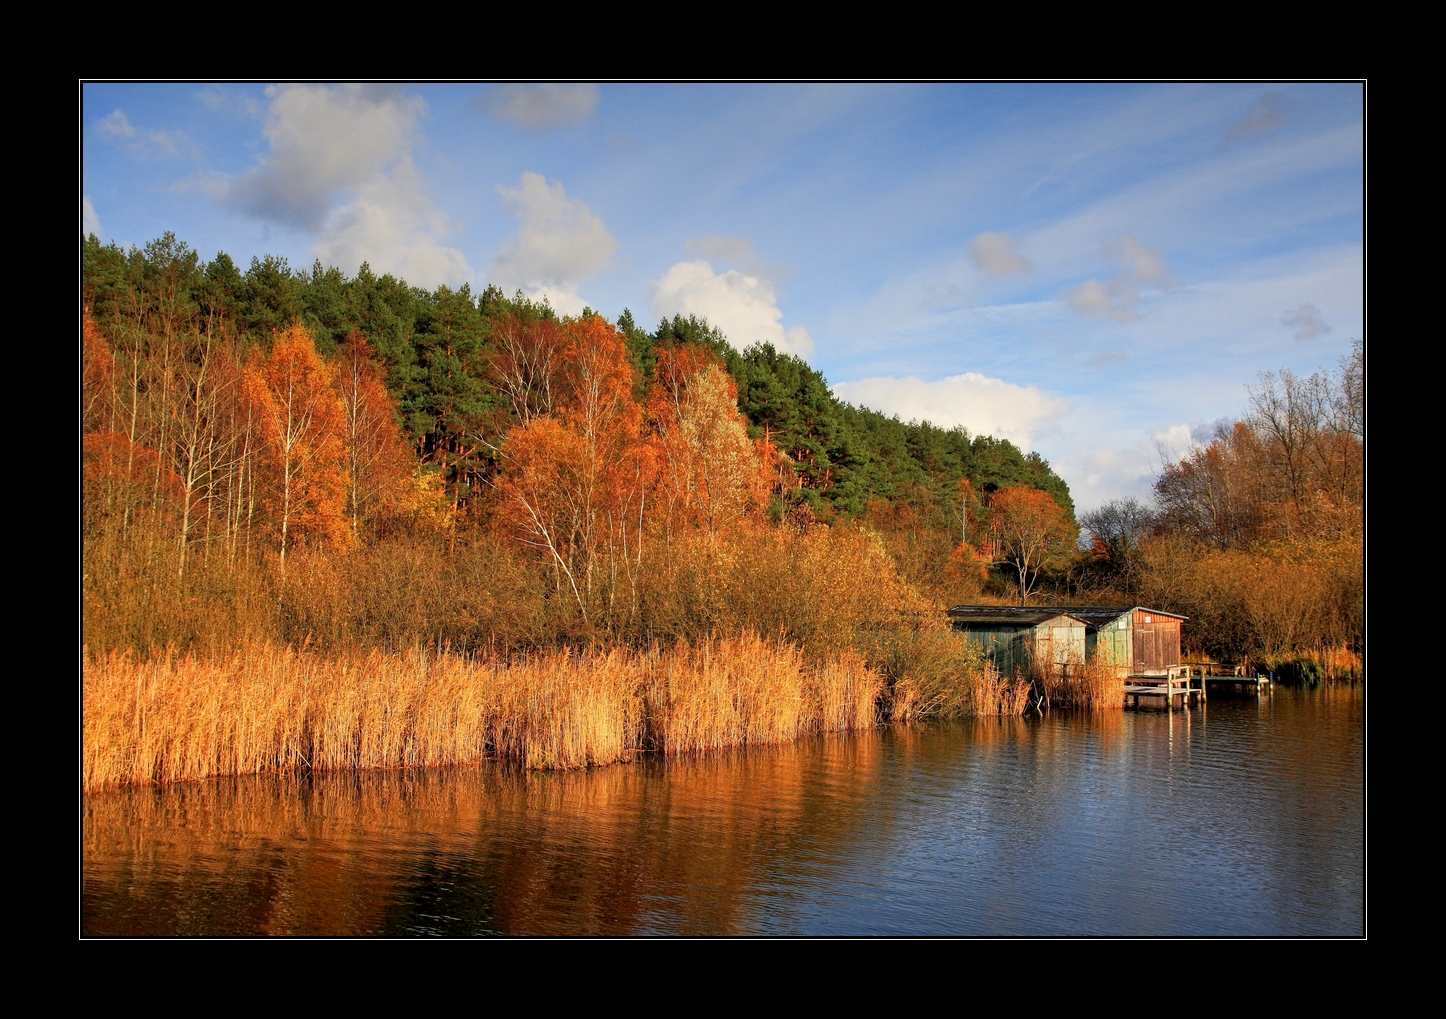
[1239,817]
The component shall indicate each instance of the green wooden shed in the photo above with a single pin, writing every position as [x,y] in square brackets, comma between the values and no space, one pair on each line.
[1140,641]
[1018,638]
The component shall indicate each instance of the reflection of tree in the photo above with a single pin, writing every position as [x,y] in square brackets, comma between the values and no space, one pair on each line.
[678,846]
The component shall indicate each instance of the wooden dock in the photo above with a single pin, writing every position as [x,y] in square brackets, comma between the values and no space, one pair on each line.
[1189,683]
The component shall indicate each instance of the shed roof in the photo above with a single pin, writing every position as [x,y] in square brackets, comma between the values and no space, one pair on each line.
[1095,615]
[1100,615]
[1012,615]
[1091,615]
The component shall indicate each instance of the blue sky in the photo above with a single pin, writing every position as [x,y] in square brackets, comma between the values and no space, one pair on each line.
[1092,271]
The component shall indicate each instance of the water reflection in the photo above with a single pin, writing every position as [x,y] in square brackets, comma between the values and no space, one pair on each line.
[1235,818]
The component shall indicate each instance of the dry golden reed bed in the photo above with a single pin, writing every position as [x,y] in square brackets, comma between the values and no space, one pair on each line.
[261,709]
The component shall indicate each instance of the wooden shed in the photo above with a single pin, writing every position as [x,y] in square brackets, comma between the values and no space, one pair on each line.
[1018,638]
[1140,641]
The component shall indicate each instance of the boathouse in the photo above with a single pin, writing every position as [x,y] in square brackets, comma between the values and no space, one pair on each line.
[1140,641]
[1018,638]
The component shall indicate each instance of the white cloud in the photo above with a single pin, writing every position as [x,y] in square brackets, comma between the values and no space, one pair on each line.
[997,255]
[1175,441]
[1139,263]
[143,144]
[1264,117]
[1118,298]
[983,405]
[1307,322]
[393,227]
[1114,299]
[89,221]
[1100,474]
[542,106]
[323,140]
[560,242]
[743,306]
[339,165]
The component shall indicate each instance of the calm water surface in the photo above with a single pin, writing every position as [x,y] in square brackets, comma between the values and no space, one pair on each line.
[1238,818]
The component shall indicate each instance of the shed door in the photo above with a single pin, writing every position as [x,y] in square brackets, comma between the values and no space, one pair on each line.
[1119,646]
[1059,639]
[1169,631]
[1145,654]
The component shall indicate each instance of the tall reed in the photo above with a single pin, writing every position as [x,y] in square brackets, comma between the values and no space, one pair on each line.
[1093,686]
[267,710]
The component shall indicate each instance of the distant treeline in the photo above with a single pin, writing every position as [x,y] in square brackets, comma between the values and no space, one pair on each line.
[438,351]
[1258,534]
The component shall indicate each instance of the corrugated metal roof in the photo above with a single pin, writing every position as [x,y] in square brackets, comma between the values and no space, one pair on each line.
[1100,615]
[1159,612]
[1091,615]
[1012,615]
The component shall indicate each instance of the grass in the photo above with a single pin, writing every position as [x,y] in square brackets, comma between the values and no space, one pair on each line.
[268,710]
[1095,686]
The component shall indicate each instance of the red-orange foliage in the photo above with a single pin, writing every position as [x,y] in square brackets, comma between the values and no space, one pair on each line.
[1295,467]
[575,480]
[122,478]
[711,472]
[378,464]
[96,377]
[302,425]
[969,565]
[1030,531]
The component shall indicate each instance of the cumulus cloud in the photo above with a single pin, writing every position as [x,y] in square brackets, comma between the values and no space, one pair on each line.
[323,140]
[984,405]
[392,226]
[560,242]
[1102,473]
[339,164]
[1118,297]
[539,107]
[734,252]
[743,305]
[1264,117]
[1307,323]
[89,221]
[997,255]
[142,143]
[1172,442]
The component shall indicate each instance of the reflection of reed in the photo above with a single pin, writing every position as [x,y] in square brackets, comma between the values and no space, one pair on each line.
[265,710]
[676,846]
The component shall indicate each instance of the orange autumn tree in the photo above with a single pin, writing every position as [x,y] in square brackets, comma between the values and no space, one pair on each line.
[526,364]
[123,483]
[1030,532]
[969,561]
[711,473]
[378,465]
[574,479]
[302,425]
[96,377]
